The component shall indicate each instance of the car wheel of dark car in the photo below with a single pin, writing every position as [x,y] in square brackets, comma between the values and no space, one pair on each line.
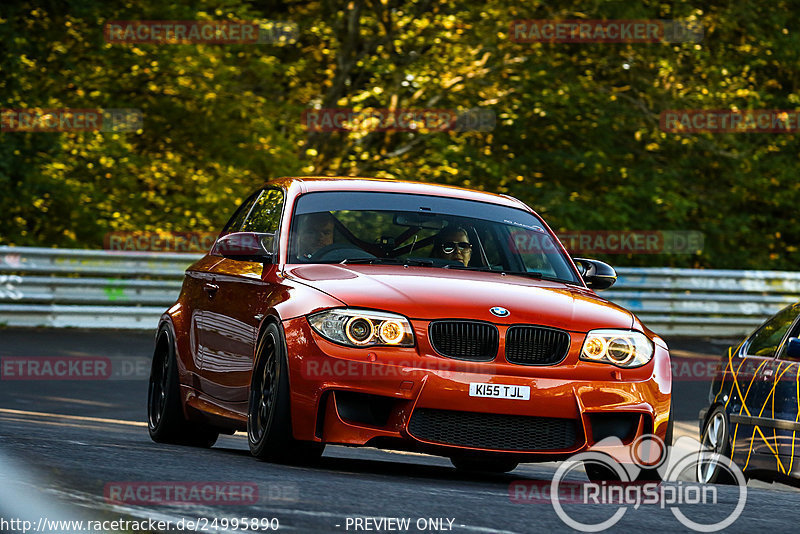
[483,465]
[165,420]
[269,431]
[716,449]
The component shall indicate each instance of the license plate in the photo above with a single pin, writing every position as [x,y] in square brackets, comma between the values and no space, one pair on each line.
[499,391]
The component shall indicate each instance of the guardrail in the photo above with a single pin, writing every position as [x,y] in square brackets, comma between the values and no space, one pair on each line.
[129,290]
[88,288]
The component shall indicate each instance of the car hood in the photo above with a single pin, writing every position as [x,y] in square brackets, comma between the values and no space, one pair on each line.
[431,293]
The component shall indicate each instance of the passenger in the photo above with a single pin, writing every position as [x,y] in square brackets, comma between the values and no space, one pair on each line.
[314,232]
[452,244]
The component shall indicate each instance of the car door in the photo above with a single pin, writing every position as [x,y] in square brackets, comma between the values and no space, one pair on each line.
[785,403]
[750,407]
[200,284]
[233,313]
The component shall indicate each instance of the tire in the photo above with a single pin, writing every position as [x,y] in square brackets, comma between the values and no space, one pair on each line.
[596,472]
[716,439]
[670,427]
[269,423]
[165,420]
[653,475]
[483,465]
[600,473]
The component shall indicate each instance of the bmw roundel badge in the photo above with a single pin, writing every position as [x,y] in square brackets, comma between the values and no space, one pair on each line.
[500,311]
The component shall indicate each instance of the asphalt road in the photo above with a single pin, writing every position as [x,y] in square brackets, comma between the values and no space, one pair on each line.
[65,445]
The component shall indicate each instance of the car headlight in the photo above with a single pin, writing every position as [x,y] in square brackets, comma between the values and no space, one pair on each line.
[623,348]
[362,328]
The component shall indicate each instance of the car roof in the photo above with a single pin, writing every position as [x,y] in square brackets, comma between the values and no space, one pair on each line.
[309,184]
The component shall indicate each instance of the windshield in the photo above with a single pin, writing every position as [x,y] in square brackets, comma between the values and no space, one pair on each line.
[356,227]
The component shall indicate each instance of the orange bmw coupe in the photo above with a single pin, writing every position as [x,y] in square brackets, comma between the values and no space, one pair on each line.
[406,316]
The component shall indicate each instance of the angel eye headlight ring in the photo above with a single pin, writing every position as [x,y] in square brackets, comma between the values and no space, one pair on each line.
[359,330]
[622,348]
[362,328]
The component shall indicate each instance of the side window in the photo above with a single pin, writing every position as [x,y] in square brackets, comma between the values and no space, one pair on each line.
[795,332]
[266,214]
[235,222]
[767,338]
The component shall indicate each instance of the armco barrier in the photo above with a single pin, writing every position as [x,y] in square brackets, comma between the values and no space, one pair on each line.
[130,290]
[88,288]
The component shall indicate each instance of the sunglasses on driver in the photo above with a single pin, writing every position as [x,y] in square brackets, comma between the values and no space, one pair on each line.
[448,247]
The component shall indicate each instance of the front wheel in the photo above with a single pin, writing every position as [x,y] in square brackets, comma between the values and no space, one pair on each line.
[269,429]
[165,420]
[715,451]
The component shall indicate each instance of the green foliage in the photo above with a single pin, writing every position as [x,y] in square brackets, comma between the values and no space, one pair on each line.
[577,134]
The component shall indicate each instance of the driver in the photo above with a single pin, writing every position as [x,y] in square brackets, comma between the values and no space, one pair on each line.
[452,244]
[314,231]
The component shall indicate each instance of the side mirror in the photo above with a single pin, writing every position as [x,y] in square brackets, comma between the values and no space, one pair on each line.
[792,348]
[597,274]
[245,246]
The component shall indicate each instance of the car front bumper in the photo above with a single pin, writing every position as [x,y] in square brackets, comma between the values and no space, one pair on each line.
[371,396]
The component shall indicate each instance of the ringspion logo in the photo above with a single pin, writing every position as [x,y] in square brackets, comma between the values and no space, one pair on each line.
[696,506]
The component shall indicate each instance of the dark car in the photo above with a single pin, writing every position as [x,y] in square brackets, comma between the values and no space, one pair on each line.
[754,405]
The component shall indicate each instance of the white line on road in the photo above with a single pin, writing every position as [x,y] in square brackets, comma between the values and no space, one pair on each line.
[72,417]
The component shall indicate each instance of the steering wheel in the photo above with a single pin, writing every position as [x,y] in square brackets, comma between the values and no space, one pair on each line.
[339,252]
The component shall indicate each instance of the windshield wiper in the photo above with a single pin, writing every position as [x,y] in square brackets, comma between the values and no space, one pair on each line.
[388,261]
[478,269]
